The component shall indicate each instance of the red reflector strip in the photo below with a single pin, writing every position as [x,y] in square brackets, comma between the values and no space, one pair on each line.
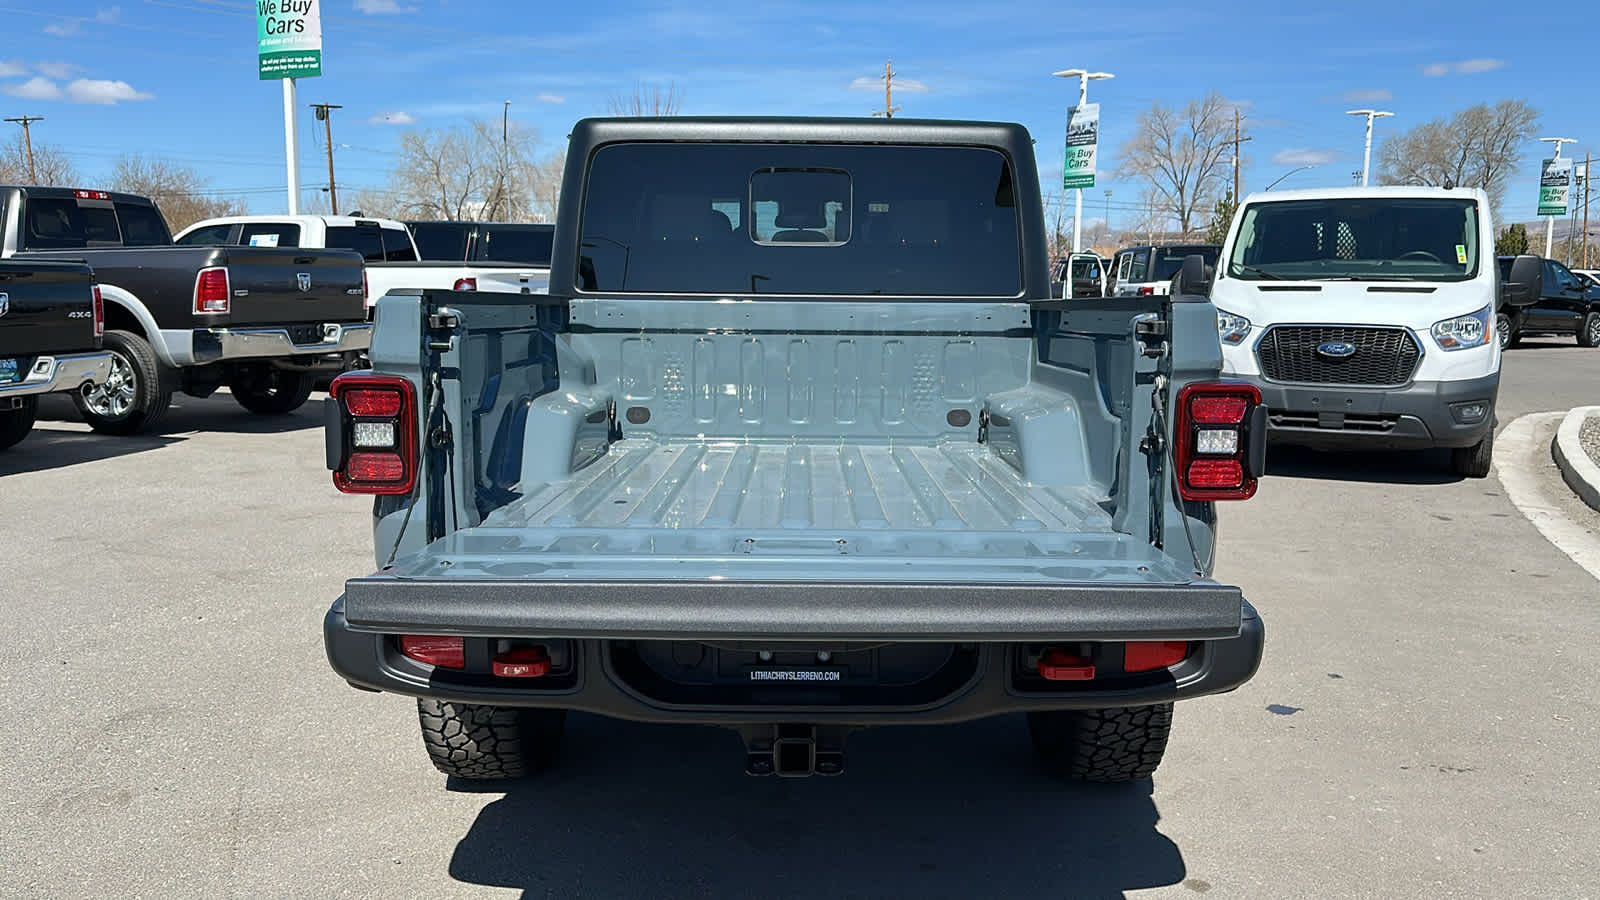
[444,652]
[1215,473]
[1059,665]
[522,662]
[375,468]
[372,403]
[1218,410]
[1145,656]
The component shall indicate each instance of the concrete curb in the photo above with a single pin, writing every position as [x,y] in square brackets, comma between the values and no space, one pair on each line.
[1577,469]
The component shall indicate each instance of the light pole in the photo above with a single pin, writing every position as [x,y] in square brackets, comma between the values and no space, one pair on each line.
[505,159]
[1108,215]
[1283,176]
[1366,156]
[1550,221]
[1084,76]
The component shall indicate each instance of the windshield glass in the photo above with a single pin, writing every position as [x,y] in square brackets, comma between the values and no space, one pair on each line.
[1169,260]
[1376,238]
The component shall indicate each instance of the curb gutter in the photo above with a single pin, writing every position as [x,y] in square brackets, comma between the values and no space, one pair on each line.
[1577,469]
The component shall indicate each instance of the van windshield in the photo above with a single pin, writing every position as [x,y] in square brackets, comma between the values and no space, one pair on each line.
[1357,238]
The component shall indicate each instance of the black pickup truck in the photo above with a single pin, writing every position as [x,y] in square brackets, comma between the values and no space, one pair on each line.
[262,321]
[1564,303]
[51,320]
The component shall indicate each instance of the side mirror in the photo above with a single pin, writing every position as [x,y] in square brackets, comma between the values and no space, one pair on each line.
[1194,277]
[1525,283]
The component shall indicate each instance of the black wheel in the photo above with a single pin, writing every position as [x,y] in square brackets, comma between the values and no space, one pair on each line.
[134,397]
[1589,331]
[270,392]
[1505,330]
[15,423]
[1474,461]
[1114,745]
[471,740]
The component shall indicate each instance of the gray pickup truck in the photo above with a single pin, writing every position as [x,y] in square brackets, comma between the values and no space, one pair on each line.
[798,443]
[261,321]
[51,321]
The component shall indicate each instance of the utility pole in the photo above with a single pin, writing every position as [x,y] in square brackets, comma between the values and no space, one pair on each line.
[889,109]
[1237,140]
[1366,155]
[1550,221]
[27,141]
[1084,76]
[325,113]
[1108,215]
[1586,171]
[505,161]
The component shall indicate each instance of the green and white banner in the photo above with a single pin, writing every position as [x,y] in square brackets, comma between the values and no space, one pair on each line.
[1083,134]
[1555,182]
[289,38]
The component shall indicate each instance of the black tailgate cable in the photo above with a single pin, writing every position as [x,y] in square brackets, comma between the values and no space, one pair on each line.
[435,395]
[1200,568]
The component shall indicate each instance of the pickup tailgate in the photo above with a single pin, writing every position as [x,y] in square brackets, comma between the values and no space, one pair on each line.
[45,308]
[279,286]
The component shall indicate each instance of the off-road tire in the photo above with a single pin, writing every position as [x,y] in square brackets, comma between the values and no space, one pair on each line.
[1112,746]
[1589,331]
[152,388]
[489,743]
[271,392]
[16,423]
[1475,461]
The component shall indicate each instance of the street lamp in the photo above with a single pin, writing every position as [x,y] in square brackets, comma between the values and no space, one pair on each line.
[1084,76]
[1286,175]
[1550,221]
[1366,156]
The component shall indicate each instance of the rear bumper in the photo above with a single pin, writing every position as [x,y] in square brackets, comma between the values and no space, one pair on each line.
[1225,631]
[1420,415]
[203,346]
[50,374]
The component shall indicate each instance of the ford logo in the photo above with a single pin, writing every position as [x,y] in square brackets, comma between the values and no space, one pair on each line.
[1336,349]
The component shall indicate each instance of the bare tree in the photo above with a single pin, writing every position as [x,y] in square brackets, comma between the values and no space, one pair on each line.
[1478,147]
[467,173]
[547,186]
[50,165]
[1184,155]
[647,100]
[182,193]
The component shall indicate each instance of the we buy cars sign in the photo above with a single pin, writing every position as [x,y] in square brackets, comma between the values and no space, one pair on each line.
[289,38]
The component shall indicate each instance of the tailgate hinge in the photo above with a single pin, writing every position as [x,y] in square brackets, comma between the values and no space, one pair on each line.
[1150,329]
[443,323]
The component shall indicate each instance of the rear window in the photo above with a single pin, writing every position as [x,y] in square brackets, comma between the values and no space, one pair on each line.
[444,241]
[529,245]
[800,219]
[52,223]
[270,234]
[1169,260]
[374,244]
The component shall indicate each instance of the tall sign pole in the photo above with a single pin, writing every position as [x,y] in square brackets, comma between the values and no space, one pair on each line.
[1083,136]
[289,46]
[1555,180]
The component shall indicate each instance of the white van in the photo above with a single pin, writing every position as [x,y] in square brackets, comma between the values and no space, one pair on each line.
[1365,315]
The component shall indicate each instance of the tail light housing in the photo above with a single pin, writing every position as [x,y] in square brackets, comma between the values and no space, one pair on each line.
[211,294]
[366,290]
[466,284]
[99,311]
[372,434]
[435,650]
[1219,441]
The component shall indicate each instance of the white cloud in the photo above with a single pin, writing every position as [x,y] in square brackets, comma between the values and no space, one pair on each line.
[12,69]
[382,7]
[908,85]
[398,117]
[1304,156]
[64,28]
[1462,67]
[35,89]
[103,93]
[108,15]
[60,70]
[550,98]
[1379,95]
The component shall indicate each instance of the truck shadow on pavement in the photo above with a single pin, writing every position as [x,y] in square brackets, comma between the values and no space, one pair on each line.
[1378,467]
[657,811]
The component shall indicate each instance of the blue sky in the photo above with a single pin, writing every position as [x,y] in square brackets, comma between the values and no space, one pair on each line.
[177,79]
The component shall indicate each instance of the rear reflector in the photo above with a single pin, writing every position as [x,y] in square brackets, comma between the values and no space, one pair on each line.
[372,469]
[1146,656]
[444,652]
[99,312]
[211,291]
[372,404]
[522,662]
[1215,474]
[1059,665]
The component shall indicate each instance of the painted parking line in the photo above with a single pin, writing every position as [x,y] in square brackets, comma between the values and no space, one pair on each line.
[1518,458]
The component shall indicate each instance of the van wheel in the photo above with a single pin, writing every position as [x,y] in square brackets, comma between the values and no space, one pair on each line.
[134,397]
[15,423]
[270,392]
[1589,332]
[489,743]
[1474,461]
[1114,745]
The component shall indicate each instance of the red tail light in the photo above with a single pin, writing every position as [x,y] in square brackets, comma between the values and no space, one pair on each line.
[1219,441]
[1147,656]
[444,652]
[211,291]
[366,291]
[1146,291]
[99,312]
[372,434]
[466,284]
[91,195]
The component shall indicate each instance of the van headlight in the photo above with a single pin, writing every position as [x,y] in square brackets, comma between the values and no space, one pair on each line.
[1232,328]
[1463,331]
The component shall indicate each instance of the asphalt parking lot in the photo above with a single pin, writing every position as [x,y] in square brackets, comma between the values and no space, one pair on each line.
[1424,723]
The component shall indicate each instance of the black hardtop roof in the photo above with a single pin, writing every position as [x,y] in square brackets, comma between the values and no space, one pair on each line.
[1169,246]
[480,224]
[66,193]
[765,129]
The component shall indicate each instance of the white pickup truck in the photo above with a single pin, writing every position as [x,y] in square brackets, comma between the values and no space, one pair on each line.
[386,245]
